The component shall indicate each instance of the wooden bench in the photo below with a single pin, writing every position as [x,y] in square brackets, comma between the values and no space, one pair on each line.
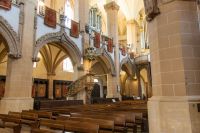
[69,126]
[49,104]
[48,126]
[11,122]
[27,118]
[119,122]
[41,114]
[104,125]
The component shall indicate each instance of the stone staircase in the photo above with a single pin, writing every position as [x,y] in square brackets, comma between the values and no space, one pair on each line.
[85,82]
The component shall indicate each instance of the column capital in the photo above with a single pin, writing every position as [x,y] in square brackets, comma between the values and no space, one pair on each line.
[131,21]
[111,6]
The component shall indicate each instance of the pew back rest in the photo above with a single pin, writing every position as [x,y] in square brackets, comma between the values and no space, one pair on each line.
[52,124]
[103,124]
[11,119]
[41,114]
[14,114]
[29,116]
[117,119]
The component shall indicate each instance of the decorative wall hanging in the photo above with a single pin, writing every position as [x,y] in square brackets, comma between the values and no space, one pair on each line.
[50,17]
[58,91]
[6,4]
[97,40]
[74,32]
[41,90]
[110,45]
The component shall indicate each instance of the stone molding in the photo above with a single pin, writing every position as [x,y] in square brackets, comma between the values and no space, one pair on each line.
[11,37]
[111,6]
[61,38]
[104,53]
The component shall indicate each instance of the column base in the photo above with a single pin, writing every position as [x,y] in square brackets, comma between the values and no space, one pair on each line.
[176,114]
[15,104]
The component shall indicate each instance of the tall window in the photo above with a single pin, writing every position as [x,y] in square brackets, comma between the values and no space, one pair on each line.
[68,13]
[41,7]
[67,65]
[95,18]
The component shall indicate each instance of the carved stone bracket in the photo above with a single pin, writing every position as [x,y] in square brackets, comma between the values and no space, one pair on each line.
[151,9]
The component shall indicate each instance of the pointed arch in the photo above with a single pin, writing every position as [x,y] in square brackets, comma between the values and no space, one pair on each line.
[11,38]
[127,63]
[62,40]
[107,59]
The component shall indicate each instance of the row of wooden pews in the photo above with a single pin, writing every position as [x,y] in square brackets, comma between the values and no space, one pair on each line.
[120,117]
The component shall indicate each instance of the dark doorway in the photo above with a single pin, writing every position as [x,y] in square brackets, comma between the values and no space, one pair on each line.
[96,91]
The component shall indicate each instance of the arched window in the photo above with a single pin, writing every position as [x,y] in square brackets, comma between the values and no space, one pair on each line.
[67,65]
[69,13]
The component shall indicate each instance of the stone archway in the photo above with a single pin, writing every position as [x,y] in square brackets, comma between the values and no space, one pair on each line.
[107,59]
[11,38]
[64,41]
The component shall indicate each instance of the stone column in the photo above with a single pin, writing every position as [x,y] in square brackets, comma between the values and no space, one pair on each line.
[174,39]
[132,34]
[19,71]
[112,29]
[84,20]
[50,77]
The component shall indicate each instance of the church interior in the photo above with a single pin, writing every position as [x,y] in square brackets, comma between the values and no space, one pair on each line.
[99,66]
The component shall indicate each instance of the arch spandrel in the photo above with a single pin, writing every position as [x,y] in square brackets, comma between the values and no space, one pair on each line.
[11,38]
[60,38]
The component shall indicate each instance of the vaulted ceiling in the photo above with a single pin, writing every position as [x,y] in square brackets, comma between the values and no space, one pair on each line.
[52,55]
[130,8]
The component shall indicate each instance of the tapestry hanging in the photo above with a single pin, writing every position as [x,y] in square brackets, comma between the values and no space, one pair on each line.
[6,4]
[110,45]
[97,40]
[64,90]
[74,32]
[41,90]
[58,92]
[50,17]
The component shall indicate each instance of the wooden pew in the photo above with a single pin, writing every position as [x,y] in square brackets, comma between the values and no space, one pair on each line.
[119,122]
[27,118]
[41,114]
[11,122]
[70,126]
[104,125]
[48,126]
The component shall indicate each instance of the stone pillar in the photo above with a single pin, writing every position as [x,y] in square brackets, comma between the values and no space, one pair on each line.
[132,34]
[50,77]
[19,71]
[111,84]
[112,29]
[174,39]
[84,20]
